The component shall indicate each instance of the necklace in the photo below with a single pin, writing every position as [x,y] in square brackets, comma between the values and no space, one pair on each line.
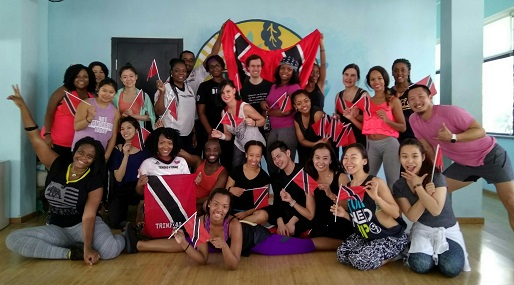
[72,176]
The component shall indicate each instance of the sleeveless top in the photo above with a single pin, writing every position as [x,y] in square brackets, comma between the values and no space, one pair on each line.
[226,222]
[204,188]
[317,97]
[373,125]
[359,137]
[364,219]
[308,134]
[101,126]
[244,133]
[62,130]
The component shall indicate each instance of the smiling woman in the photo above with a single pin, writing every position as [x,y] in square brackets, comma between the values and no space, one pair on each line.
[74,192]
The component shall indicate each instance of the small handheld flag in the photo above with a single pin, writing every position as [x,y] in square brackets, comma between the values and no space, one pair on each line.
[172,108]
[230,120]
[322,127]
[304,181]
[284,103]
[260,197]
[438,161]
[140,99]
[153,71]
[428,82]
[139,139]
[72,102]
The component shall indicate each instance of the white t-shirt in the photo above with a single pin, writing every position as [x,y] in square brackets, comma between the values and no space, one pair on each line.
[196,77]
[186,109]
[153,166]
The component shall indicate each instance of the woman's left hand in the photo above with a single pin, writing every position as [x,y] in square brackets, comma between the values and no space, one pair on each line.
[218,242]
[250,122]
[286,197]
[91,256]
[382,115]
[430,188]
[372,188]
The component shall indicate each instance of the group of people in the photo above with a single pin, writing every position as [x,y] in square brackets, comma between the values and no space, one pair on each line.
[400,129]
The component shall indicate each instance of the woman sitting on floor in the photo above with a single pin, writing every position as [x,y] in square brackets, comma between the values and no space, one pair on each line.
[379,228]
[74,191]
[436,239]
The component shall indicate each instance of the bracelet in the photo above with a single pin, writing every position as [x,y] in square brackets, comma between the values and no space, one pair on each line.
[188,244]
[88,121]
[47,133]
[223,137]
[417,185]
[31,128]
[292,203]
[228,189]
[321,50]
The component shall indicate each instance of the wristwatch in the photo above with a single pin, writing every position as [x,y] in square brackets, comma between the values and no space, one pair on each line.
[454,138]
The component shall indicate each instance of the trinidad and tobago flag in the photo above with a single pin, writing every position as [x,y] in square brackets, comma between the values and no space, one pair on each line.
[346,137]
[366,105]
[428,82]
[172,108]
[72,101]
[196,230]
[322,127]
[169,201]
[260,197]
[230,120]
[351,193]
[284,103]
[304,181]
[237,47]
[139,139]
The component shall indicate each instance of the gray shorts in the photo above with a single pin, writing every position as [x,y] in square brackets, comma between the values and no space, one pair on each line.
[496,169]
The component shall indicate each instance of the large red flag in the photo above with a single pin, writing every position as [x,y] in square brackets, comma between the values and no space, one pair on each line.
[237,47]
[428,82]
[169,201]
[230,120]
[322,127]
[196,230]
[305,181]
[260,197]
[153,71]
[351,193]
[139,139]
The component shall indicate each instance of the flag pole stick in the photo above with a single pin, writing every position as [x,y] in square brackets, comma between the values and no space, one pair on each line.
[76,97]
[158,76]
[176,230]
[435,162]
[335,212]
[141,90]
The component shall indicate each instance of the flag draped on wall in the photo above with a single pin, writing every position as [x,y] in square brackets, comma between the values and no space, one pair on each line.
[236,48]
[169,201]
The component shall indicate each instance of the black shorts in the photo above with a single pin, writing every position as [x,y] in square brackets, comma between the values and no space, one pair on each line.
[497,168]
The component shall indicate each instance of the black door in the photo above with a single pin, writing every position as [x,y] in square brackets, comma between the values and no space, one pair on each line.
[140,52]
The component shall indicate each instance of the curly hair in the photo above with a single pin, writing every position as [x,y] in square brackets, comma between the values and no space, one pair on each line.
[72,72]
[98,167]
[295,78]
[152,142]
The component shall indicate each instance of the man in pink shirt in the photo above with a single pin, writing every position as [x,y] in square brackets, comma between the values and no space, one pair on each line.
[463,140]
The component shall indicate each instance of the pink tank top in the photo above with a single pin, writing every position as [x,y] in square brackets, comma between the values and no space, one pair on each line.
[373,125]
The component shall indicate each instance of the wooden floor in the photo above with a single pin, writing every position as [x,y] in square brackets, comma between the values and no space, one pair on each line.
[490,248]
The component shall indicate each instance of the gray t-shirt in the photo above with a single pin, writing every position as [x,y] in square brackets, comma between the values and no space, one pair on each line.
[445,219]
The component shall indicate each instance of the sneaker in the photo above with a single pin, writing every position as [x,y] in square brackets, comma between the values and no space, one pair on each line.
[76,252]
[130,238]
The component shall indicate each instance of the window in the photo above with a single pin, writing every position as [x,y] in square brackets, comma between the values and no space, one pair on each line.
[497,75]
